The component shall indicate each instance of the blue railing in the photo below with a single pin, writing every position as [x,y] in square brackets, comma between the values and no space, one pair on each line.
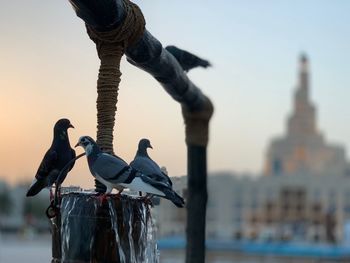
[290,249]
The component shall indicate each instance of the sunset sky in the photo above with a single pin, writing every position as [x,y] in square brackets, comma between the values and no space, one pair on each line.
[49,66]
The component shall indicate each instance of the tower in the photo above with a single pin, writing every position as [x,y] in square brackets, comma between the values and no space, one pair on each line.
[302,122]
[303,148]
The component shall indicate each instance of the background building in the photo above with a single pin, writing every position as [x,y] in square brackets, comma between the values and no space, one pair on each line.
[303,148]
[311,204]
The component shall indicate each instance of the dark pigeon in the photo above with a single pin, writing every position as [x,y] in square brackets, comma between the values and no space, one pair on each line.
[114,172]
[147,166]
[186,59]
[57,156]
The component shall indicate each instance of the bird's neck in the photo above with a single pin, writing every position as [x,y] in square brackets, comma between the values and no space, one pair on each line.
[92,150]
[142,152]
[60,138]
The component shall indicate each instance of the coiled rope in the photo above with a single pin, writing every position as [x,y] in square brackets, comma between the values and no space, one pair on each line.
[111,47]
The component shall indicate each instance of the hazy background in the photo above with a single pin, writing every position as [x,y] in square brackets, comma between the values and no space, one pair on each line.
[49,66]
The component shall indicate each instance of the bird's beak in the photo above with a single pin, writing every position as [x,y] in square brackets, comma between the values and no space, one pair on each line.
[76,145]
[150,146]
[71,126]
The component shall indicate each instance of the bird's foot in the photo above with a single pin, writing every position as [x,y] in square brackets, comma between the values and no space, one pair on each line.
[148,199]
[51,194]
[102,198]
[59,193]
[119,194]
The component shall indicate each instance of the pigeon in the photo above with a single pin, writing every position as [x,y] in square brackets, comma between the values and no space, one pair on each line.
[114,172]
[147,166]
[186,59]
[55,159]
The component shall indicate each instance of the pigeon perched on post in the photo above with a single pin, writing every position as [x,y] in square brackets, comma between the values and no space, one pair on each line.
[143,163]
[114,172]
[186,59]
[55,159]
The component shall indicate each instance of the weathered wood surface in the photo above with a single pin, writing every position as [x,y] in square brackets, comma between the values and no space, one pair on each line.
[114,230]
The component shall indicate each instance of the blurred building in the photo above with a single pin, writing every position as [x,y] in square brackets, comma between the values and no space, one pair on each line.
[22,212]
[303,148]
[306,195]
[170,220]
[299,207]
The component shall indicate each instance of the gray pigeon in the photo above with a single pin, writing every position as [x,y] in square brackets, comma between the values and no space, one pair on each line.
[114,172]
[56,157]
[186,59]
[147,166]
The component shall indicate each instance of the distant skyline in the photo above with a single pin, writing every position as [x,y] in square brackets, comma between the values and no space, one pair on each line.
[49,67]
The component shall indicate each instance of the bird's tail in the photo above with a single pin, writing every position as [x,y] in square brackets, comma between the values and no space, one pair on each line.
[169,193]
[204,63]
[186,59]
[174,197]
[36,186]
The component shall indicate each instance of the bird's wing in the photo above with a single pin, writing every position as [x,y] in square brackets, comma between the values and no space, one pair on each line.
[160,178]
[167,191]
[39,184]
[151,179]
[110,168]
[151,169]
[168,179]
[145,165]
[46,165]
[45,171]
[65,170]
[157,168]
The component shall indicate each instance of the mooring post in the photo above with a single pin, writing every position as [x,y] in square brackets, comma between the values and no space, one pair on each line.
[149,55]
[197,136]
[115,231]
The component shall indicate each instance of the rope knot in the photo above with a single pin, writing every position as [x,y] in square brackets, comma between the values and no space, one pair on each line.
[197,123]
[124,35]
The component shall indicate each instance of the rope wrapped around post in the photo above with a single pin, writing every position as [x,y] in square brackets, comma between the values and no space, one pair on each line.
[111,46]
[197,124]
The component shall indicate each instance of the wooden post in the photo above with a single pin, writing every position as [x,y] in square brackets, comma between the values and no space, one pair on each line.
[197,136]
[114,231]
[196,203]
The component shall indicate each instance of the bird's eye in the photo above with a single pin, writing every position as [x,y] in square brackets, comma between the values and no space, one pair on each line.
[84,141]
